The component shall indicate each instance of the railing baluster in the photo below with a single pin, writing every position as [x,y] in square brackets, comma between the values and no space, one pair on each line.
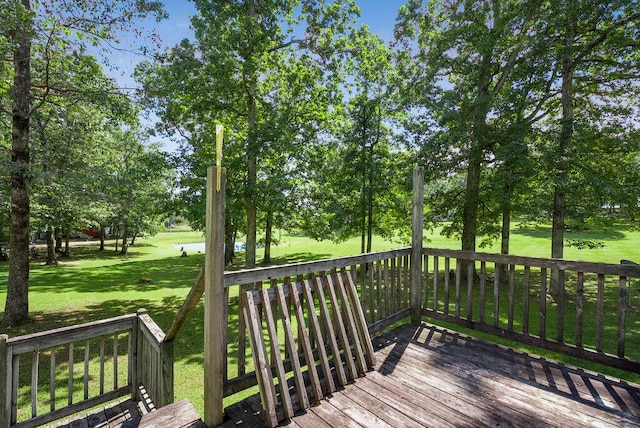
[470,270]
[525,299]
[512,274]
[622,304]
[579,305]
[436,280]
[496,294]
[406,281]
[458,281]
[15,376]
[115,360]
[102,365]
[242,332]
[425,280]
[387,289]
[86,369]
[70,380]
[372,305]
[561,287]
[394,307]
[274,310]
[379,307]
[600,314]
[542,324]
[34,383]
[446,285]
[483,284]
[52,380]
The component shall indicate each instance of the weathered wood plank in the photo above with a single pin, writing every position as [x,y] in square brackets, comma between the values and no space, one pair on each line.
[35,363]
[542,323]
[261,362]
[325,316]
[314,326]
[276,356]
[483,286]
[351,325]
[341,330]
[216,298]
[622,308]
[511,296]
[64,335]
[301,391]
[560,264]
[361,324]
[306,344]
[247,276]
[600,314]
[526,287]
[579,305]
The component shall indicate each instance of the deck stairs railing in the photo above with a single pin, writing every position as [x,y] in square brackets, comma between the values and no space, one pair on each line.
[49,375]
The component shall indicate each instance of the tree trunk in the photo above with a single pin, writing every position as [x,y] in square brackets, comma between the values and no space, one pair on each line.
[363,196]
[67,242]
[252,179]
[268,237]
[17,304]
[50,237]
[506,228]
[370,202]
[471,199]
[101,238]
[562,154]
[125,246]
[57,233]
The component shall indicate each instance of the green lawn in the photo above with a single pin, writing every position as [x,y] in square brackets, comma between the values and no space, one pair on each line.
[92,285]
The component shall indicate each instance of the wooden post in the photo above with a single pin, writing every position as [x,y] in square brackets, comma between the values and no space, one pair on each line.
[416,244]
[135,355]
[5,383]
[215,313]
[166,374]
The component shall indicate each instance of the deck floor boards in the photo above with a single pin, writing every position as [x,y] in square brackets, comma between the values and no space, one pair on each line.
[428,376]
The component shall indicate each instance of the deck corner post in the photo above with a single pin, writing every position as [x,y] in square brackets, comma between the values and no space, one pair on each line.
[215,315]
[417,228]
[5,385]
[167,376]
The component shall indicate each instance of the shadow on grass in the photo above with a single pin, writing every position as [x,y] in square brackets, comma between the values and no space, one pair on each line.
[591,232]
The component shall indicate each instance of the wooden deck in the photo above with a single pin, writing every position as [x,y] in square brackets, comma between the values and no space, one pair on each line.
[129,414]
[427,376]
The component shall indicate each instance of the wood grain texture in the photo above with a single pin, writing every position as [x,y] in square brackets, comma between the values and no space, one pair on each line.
[429,376]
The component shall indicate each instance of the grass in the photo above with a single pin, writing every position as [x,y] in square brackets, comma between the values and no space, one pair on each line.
[93,285]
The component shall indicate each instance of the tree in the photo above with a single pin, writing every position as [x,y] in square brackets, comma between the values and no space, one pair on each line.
[597,58]
[356,184]
[54,26]
[244,62]
[457,61]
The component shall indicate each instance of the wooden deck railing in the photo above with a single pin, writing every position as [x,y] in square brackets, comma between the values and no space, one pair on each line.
[49,375]
[591,302]
[511,296]
[382,278]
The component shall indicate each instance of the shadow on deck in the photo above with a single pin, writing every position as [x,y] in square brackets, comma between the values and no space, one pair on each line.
[429,376]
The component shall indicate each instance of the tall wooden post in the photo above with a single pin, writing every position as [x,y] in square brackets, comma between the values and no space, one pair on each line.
[417,229]
[215,312]
[5,383]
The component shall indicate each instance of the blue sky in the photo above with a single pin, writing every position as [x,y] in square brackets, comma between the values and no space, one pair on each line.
[379,15]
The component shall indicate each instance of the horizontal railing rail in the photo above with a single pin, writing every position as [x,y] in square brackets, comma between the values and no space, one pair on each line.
[49,375]
[563,305]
